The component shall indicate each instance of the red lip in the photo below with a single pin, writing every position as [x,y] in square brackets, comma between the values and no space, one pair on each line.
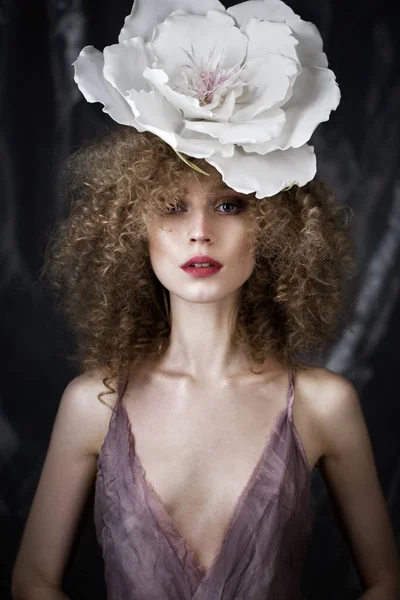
[201,258]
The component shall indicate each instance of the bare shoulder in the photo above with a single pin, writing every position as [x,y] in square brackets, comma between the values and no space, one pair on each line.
[350,472]
[80,403]
[332,404]
[318,382]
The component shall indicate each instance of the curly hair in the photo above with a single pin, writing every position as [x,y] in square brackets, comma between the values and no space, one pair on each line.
[97,260]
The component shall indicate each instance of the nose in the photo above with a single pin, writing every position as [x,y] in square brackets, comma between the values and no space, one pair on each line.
[200,228]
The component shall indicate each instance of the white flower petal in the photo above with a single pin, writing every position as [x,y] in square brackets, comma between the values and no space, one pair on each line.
[272,76]
[225,111]
[222,18]
[266,175]
[265,37]
[90,80]
[262,128]
[179,34]
[202,146]
[155,114]
[146,14]
[189,105]
[266,10]
[315,95]
[124,64]
[252,126]
[310,46]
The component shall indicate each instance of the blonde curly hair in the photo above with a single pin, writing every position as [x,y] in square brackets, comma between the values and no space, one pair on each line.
[97,260]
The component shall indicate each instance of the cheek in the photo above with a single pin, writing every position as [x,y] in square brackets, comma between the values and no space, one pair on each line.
[158,245]
[245,250]
[241,263]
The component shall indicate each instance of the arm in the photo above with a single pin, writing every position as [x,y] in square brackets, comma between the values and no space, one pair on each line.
[67,477]
[349,470]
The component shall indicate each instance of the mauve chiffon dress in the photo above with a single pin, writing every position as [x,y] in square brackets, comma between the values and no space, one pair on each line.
[263,551]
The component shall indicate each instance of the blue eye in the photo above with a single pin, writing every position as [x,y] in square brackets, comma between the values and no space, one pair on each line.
[171,209]
[237,207]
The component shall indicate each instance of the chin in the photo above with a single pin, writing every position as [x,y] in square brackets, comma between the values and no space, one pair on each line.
[204,296]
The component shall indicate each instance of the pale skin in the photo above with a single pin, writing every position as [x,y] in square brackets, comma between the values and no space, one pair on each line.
[201,375]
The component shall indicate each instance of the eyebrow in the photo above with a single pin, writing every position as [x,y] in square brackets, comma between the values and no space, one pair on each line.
[220,189]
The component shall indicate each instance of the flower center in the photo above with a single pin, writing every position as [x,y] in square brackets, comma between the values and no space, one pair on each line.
[206,80]
[207,83]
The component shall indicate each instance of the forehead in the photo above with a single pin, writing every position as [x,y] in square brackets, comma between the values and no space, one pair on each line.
[204,186]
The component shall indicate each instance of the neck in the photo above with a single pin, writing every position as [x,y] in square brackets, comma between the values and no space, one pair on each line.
[200,344]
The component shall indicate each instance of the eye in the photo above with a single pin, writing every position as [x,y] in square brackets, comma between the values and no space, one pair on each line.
[171,209]
[234,208]
[237,207]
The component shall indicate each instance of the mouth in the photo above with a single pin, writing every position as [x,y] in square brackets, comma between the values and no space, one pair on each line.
[201,262]
[200,265]
[202,271]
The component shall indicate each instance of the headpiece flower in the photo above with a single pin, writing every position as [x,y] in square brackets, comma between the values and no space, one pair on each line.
[244,87]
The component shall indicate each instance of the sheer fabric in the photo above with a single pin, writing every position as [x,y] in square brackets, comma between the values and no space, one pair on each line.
[263,551]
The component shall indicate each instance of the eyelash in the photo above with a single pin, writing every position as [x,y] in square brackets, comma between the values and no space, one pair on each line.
[239,208]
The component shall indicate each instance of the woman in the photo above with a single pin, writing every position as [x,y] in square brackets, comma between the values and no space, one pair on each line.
[209,422]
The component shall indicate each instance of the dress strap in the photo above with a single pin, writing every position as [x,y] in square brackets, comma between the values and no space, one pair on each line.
[290,394]
[121,387]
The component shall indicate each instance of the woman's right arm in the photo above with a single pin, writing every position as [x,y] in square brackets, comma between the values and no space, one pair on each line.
[67,477]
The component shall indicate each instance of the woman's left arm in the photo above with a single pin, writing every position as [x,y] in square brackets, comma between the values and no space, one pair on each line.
[350,474]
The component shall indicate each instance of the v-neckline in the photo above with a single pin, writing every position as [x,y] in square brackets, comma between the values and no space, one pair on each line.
[204,573]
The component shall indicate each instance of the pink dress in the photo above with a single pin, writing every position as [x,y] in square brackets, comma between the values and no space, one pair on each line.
[262,554]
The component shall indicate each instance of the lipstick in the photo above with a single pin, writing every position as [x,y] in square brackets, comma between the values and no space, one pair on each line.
[201,266]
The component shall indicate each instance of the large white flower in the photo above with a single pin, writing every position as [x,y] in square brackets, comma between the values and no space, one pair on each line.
[243,88]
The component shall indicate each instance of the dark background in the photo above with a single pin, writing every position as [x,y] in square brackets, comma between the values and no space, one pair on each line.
[43,117]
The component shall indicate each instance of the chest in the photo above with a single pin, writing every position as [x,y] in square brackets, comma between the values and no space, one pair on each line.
[199,449]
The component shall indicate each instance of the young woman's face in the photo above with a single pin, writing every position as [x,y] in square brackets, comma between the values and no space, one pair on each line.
[211,220]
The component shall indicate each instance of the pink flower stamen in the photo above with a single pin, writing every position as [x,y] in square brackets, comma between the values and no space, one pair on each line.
[205,81]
